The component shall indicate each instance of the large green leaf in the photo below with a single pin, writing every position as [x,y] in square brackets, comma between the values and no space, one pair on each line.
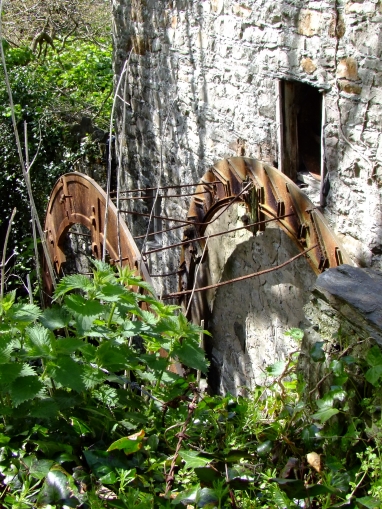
[55,318]
[323,414]
[24,313]
[373,374]
[374,356]
[9,372]
[130,444]
[191,355]
[84,311]
[68,373]
[55,490]
[7,346]
[193,459]
[25,388]
[40,342]
[73,282]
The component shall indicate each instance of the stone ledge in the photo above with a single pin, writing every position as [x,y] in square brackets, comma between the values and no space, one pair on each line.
[356,294]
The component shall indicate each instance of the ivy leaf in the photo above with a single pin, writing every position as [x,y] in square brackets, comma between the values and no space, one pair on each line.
[296,334]
[374,374]
[317,354]
[45,408]
[276,369]
[193,460]
[374,356]
[68,373]
[191,355]
[73,282]
[25,388]
[325,414]
[369,502]
[55,489]
[55,318]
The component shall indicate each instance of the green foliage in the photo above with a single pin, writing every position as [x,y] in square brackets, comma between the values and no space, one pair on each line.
[93,416]
[52,95]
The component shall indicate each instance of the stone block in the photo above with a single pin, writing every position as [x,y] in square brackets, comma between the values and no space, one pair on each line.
[309,22]
[308,65]
[241,10]
[348,68]
[349,87]
[217,6]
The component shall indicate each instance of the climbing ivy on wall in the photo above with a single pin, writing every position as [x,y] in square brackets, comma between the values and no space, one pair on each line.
[93,415]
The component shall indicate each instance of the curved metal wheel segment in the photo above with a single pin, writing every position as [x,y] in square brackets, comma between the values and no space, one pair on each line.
[267,193]
[78,199]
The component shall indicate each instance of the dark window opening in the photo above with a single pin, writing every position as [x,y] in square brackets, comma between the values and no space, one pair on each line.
[301,129]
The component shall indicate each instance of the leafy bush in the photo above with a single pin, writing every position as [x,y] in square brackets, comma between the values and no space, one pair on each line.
[93,415]
[52,96]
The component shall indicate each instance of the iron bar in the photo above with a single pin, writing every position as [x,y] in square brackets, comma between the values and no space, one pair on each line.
[233,199]
[160,231]
[169,187]
[161,196]
[237,279]
[216,234]
[158,217]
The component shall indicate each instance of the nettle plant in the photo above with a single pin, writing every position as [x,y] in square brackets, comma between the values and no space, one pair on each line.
[93,414]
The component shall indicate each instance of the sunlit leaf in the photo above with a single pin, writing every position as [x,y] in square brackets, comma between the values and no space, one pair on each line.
[193,459]
[130,444]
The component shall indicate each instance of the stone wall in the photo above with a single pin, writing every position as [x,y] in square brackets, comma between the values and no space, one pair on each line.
[203,83]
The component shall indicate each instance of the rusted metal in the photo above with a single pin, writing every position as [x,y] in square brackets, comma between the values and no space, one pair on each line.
[237,279]
[274,195]
[145,189]
[219,234]
[78,199]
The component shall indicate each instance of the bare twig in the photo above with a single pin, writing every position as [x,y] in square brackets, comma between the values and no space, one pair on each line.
[109,162]
[170,477]
[196,277]
[3,261]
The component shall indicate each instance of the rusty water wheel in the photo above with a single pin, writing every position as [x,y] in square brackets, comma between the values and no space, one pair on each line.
[78,199]
[267,193]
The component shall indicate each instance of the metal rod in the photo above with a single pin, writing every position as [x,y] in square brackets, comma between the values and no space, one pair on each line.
[160,231]
[158,217]
[237,279]
[233,199]
[170,187]
[216,234]
[161,196]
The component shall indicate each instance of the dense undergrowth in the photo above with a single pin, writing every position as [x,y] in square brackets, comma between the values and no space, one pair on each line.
[93,415]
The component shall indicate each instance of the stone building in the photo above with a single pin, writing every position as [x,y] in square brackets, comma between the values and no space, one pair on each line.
[297,84]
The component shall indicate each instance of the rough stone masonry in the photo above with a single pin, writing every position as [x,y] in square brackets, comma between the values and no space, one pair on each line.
[204,81]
